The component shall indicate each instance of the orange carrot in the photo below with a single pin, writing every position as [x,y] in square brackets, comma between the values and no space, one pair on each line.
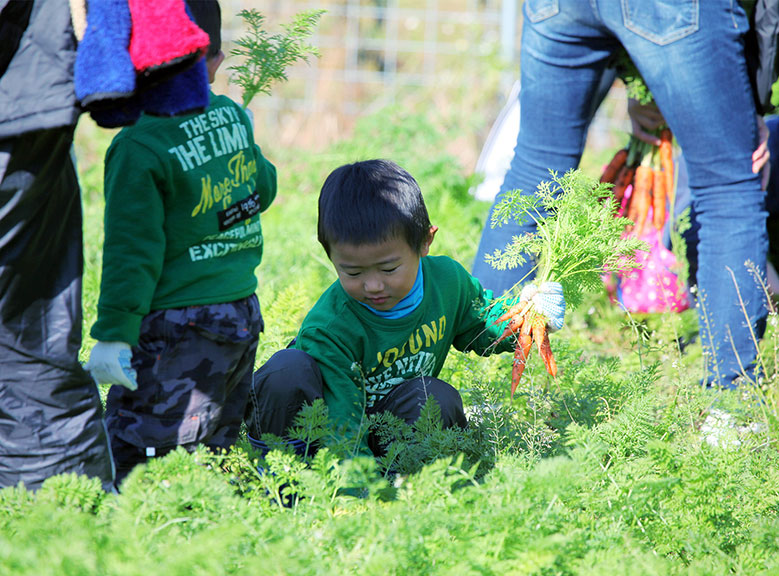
[524,344]
[547,356]
[642,197]
[658,199]
[514,326]
[521,352]
[541,338]
[614,166]
[517,309]
[624,178]
[667,161]
[538,329]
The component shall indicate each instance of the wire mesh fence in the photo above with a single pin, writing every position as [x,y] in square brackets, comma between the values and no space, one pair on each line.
[373,52]
[460,55]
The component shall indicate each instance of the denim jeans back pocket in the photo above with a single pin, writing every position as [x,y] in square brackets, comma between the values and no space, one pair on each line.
[537,10]
[661,21]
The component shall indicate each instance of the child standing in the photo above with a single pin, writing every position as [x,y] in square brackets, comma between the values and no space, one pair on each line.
[178,319]
[377,338]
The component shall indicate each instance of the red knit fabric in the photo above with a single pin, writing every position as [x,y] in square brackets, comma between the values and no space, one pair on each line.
[163,32]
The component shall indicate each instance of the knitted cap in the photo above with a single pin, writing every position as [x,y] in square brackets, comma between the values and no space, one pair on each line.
[208,16]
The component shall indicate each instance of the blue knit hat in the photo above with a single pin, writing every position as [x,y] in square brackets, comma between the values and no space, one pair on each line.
[106,81]
[184,93]
[104,74]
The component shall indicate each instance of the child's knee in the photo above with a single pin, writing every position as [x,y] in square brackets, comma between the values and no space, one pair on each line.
[279,389]
[449,400]
[407,399]
[288,374]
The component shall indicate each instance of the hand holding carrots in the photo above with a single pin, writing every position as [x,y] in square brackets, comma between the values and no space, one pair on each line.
[578,237]
[541,309]
[645,121]
[762,154]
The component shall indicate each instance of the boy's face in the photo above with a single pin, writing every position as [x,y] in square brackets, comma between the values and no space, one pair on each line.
[379,275]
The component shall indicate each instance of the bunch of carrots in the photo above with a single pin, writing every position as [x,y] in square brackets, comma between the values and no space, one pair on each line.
[529,326]
[578,237]
[649,170]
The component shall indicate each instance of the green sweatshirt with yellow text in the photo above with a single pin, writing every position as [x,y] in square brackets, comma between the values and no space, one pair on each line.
[182,216]
[363,356]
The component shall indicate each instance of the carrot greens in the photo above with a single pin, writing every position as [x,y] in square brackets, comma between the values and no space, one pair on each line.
[265,57]
[579,235]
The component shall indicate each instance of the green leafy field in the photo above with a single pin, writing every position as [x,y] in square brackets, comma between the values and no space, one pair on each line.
[599,471]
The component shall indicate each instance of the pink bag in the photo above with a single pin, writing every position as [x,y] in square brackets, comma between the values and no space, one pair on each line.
[654,287]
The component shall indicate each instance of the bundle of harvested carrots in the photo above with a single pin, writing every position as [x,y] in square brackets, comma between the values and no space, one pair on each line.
[578,237]
[529,326]
[649,170]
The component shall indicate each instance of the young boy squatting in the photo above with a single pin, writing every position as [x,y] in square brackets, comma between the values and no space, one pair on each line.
[378,337]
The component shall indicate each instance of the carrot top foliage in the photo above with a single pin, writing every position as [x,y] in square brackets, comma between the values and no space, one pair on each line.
[579,235]
[266,57]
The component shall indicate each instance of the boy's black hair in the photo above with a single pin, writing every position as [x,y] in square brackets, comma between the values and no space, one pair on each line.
[208,16]
[369,202]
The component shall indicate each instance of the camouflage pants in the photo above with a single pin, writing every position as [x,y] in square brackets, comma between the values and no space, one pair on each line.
[194,370]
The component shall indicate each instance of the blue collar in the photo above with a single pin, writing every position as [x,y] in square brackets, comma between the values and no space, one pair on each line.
[409,302]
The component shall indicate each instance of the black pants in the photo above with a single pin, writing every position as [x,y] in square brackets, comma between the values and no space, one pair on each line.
[291,378]
[50,411]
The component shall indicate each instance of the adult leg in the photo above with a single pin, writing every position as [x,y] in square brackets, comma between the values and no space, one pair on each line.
[563,62]
[772,191]
[693,61]
[50,410]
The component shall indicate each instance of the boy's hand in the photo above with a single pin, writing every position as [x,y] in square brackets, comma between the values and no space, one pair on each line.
[548,300]
[111,363]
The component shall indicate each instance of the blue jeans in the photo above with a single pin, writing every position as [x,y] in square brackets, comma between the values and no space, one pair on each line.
[691,55]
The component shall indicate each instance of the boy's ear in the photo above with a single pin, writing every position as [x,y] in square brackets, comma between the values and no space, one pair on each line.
[428,241]
[212,64]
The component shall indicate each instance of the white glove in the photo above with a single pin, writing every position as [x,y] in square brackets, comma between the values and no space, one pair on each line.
[111,363]
[548,300]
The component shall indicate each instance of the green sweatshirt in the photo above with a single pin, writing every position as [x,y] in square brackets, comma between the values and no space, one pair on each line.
[362,356]
[182,216]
